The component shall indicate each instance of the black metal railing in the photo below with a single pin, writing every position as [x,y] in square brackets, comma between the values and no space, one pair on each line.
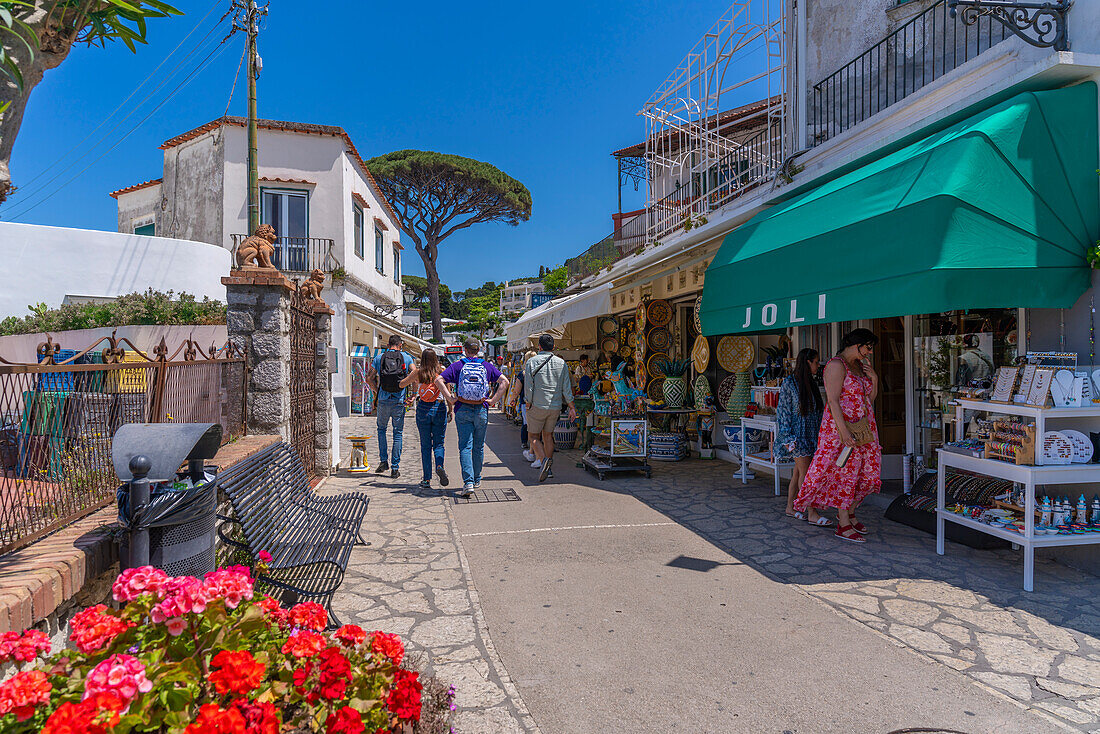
[299,254]
[925,48]
[625,240]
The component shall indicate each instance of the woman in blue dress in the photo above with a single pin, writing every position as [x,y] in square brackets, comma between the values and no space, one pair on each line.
[799,418]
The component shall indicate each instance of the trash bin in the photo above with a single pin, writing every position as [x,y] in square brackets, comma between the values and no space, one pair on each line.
[170,514]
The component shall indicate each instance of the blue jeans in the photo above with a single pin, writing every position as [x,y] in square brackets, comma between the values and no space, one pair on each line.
[390,410]
[471,421]
[431,421]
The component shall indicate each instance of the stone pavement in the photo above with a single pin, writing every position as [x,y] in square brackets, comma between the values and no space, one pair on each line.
[413,580]
[966,609]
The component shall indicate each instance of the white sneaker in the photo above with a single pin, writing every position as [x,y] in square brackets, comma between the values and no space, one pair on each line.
[529,454]
[536,464]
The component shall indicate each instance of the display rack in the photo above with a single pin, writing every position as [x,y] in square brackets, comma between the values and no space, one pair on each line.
[767,461]
[600,461]
[1027,475]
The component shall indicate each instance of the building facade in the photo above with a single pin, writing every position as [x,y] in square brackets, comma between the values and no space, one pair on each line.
[515,298]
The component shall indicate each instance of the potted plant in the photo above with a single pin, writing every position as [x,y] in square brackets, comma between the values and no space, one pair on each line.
[675,387]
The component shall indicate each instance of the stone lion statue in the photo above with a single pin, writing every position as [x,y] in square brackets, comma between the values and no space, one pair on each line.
[256,250]
[311,289]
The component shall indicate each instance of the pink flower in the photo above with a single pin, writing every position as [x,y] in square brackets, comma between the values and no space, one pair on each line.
[122,675]
[182,595]
[228,584]
[264,557]
[176,626]
[133,582]
[23,647]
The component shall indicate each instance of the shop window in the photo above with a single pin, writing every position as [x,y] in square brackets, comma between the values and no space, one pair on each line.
[148,230]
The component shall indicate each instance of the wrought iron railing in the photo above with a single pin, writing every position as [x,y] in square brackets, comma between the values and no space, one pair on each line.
[299,254]
[624,241]
[58,417]
[925,48]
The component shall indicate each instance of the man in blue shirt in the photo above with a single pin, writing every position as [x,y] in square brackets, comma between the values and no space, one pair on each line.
[387,371]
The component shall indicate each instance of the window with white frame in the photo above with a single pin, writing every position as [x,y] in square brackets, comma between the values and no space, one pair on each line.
[397,265]
[358,217]
[379,262]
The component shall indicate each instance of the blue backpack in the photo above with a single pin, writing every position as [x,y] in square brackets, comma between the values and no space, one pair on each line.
[473,382]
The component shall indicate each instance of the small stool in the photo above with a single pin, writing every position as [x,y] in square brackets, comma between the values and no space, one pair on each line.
[359,462]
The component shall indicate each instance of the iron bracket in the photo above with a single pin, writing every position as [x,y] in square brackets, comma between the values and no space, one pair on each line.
[1040,24]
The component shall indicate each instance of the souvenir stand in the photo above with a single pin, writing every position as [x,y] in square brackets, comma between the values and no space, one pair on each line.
[1015,444]
[362,397]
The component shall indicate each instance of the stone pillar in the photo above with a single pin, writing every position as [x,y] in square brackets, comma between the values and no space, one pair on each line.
[258,321]
[322,400]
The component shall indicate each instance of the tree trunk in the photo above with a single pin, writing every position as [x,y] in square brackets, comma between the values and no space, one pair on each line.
[433,298]
[54,48]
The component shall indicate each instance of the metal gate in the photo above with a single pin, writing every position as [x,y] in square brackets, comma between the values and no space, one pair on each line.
[303,360]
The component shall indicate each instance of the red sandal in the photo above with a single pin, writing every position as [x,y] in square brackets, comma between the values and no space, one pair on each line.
[859,527]
[850,534]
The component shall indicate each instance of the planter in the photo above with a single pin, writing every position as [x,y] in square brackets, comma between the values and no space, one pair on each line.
[675,390]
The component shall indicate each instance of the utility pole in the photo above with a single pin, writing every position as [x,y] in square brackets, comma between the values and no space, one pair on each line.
[247,19]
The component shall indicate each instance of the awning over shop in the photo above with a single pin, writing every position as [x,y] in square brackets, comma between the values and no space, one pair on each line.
[360,350]
[497,341]
[582,307]
[995,211]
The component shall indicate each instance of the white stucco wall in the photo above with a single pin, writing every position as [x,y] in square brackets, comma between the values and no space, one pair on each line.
[47,263]
[364,269]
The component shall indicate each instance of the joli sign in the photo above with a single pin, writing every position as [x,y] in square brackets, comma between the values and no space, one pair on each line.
[768,313]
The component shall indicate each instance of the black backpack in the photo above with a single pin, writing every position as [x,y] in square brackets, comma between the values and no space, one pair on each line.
[392,371]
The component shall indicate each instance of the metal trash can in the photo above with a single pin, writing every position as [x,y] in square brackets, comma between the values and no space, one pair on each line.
[170,514]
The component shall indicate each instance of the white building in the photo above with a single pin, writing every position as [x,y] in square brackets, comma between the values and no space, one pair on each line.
[516,298]
[315,191]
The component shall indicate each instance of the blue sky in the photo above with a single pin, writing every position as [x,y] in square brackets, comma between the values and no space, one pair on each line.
[544,91]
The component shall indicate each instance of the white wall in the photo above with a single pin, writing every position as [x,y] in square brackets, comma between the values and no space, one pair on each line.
[139,207]
[44,264]
[356,182]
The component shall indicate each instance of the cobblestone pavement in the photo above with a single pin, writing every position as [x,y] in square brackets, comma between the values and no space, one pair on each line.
[413,580]
[966,609]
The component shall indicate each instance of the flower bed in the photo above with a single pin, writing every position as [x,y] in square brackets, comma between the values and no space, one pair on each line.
[209,656]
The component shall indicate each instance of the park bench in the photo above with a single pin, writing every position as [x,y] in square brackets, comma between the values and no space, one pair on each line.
[309,536]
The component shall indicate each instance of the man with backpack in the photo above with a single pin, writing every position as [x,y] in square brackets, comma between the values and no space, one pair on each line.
[474,380]
[546,384]
[387,371]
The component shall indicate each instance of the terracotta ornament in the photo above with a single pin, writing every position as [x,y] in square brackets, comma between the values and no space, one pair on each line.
[256,250]
[311,289]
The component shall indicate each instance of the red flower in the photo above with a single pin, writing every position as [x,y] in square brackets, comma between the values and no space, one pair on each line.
[404,698]
[273,611]
[212,719]
[230,584]
[350,635]
[388,645]
[345,720]
[182,595]
[121,675]
[236,672]
[92,630]
[327,676]
[259,718]
[304,644]
[96,715]
[309,614]
[23,692]
[133,582]
[23,648]
[264,557]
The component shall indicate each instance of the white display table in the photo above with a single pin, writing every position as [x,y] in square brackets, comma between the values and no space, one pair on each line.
[768,461]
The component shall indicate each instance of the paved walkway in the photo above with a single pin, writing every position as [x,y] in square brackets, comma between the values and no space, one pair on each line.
[690,603]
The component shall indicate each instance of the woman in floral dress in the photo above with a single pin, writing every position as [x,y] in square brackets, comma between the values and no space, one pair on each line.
[851,386]
[798,416]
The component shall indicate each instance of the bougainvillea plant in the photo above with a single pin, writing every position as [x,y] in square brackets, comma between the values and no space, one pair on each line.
[209,656]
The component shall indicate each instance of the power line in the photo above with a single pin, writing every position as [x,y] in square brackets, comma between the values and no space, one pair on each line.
[198,70]
[106,119]
[133,110]
[244,52]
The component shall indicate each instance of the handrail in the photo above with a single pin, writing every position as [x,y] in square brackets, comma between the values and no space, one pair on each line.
[299,254]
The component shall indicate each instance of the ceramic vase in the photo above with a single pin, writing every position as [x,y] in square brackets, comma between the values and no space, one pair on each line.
[675,392]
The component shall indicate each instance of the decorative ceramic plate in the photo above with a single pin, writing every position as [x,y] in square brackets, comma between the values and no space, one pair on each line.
[702,391]
[725,389]
[639,318]
[625,351]
[659,339]
[639,349]
[695,315]
[735,353]
[609,344]
[1082,447]
[609,325]
[1057,448]
[700,354]
[656,389]
[659,313]
[640,379]
[651,363]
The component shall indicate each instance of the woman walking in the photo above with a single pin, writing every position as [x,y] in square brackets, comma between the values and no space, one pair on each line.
[432,416]
[799,417]
[524,437]
[848,463]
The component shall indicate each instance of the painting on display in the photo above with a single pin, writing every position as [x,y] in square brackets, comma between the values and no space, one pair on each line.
[628,438]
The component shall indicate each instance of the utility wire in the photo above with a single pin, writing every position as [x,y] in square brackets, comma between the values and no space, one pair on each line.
[122,104]
[198,70]
[103,138]
[244,52]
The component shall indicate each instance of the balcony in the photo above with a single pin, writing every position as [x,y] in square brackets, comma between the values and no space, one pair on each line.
[298,254]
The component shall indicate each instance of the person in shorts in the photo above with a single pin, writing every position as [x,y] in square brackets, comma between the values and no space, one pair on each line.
[546,385]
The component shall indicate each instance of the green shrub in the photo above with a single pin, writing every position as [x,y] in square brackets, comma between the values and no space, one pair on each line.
[148,308]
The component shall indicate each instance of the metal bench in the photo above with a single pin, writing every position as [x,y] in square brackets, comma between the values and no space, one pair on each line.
[309,536]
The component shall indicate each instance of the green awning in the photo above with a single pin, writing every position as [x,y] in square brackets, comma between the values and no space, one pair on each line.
[497,341]
[995,211]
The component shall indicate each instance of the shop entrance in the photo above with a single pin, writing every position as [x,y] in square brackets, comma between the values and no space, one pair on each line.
[889,363]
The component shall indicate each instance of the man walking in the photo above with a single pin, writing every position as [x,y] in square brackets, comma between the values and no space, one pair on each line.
[474,379]
[546,385]
[387,371]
